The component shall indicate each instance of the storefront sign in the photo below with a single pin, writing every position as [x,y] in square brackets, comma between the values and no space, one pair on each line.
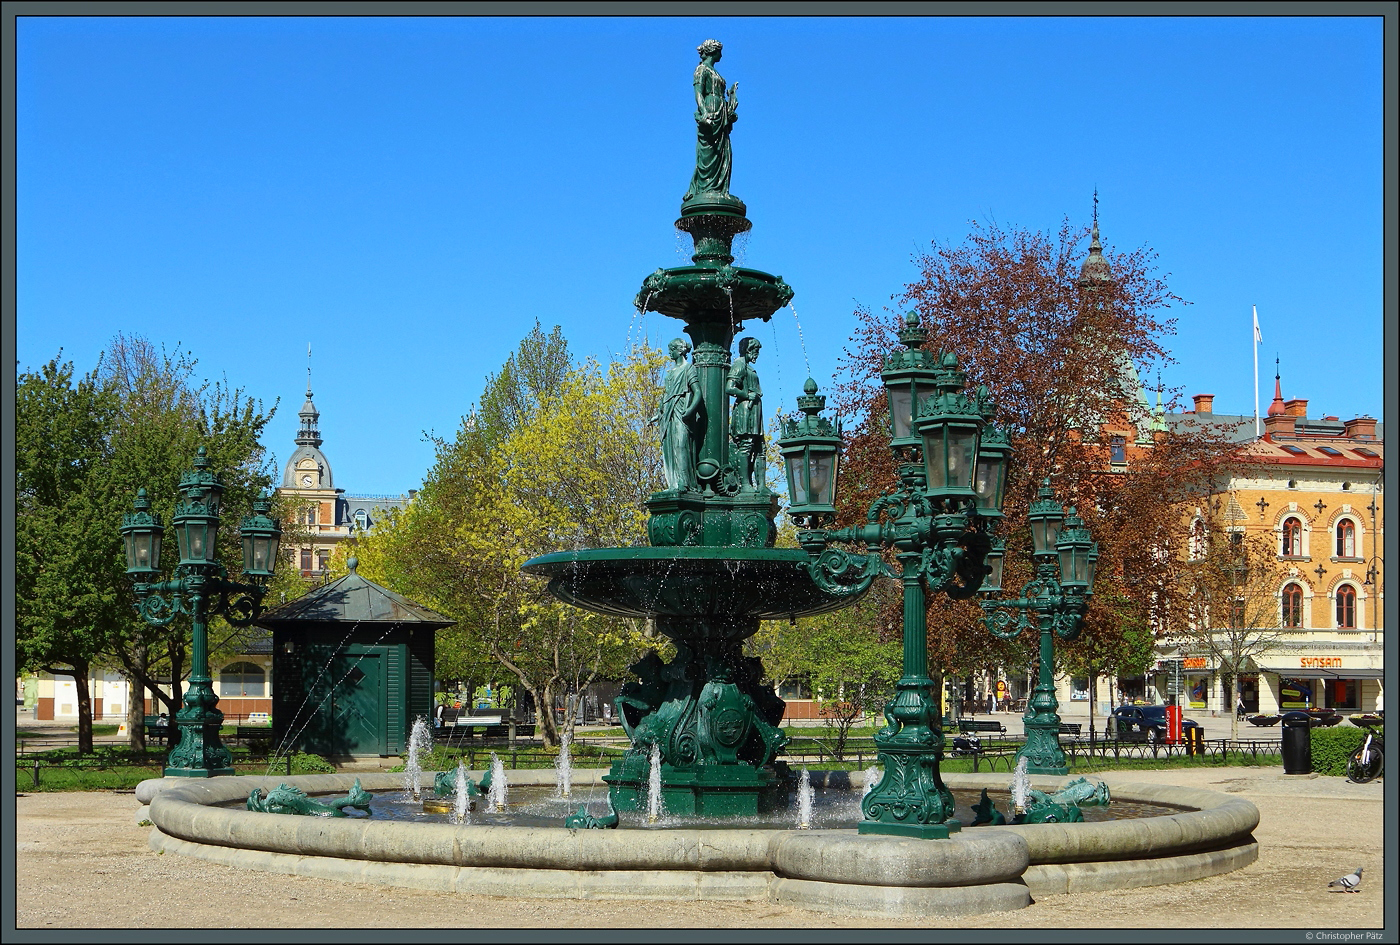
[1320,662]
[1194,662]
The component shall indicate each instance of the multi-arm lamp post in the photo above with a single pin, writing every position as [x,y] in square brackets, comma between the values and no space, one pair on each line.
[952,471]
[1058,595]
[201,589]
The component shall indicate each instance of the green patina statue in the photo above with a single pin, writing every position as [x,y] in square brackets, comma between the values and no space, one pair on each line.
[746,419]
[715,114]
[986,813]
[285,799]
[445,784]
[585,821]
[681,419]
[1062,807]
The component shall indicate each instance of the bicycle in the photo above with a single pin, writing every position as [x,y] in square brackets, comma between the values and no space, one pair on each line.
[1367,762]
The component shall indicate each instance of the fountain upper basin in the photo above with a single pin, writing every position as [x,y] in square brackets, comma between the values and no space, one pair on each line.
[696,582]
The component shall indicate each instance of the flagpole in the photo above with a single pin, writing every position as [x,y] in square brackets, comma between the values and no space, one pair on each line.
[1257,339]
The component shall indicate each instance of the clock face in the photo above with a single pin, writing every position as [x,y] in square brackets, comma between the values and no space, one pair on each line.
[306,479]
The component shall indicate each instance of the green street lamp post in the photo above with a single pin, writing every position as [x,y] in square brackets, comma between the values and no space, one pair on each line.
[1055,600]
[199,589]
[938,521]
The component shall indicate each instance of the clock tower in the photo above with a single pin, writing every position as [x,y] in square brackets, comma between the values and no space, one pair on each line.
[307,479]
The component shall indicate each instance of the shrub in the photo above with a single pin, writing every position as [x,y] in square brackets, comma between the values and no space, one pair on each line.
[1331,747]
[307,763]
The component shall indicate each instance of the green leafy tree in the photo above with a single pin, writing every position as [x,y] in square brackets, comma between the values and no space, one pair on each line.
[67,598]
[564,464]
[146,416]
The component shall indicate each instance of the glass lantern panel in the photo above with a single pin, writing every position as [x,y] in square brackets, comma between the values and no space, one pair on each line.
[962,453]
[935,459]
[182,542]
[987,483]
[797,483]
[819,473]
[1070,560]
[1090,566]
[902,411]
[992,582]
[197,536]
[1045,533]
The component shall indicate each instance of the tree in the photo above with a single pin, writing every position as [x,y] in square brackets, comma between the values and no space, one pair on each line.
[67,601]
[136,421]
[1060,347]
[1233,611]
[853,663]
[564,465]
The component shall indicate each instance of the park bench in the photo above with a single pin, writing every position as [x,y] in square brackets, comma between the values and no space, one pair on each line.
[1071,728]
[971,726]
[156,728]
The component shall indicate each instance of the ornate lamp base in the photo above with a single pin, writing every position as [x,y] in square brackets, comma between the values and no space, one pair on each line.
[1042,750]
[911,799]
[199,754]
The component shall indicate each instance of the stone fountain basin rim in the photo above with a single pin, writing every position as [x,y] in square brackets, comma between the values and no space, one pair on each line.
[1219,822]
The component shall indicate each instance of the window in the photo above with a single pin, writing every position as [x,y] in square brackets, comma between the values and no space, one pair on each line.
[1346,607]
[1293,606]
[1329,451]
[323,558]
[1295,450]
[1236,614]
[1368,453]
[306,559]
[1118,450]
[361,519]
[1198,540]
[1346,539]
[1292,538]
[242,680]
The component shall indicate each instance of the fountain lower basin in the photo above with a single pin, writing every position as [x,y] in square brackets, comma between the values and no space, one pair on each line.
[986,869]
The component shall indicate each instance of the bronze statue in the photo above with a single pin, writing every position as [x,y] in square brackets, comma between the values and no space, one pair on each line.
[714,116]
[677,417]
[746,419]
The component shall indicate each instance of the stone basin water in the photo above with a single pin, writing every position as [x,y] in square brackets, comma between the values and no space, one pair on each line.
[983,869]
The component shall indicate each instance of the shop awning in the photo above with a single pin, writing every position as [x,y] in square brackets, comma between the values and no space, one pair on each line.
[1310,673]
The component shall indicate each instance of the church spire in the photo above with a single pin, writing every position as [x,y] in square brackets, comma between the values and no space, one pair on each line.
[1095,272]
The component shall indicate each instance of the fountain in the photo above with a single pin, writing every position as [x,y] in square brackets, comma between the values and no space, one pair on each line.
[711,572]
[420,742]
[804,801]
[459,807]
[563,767]
[703,729]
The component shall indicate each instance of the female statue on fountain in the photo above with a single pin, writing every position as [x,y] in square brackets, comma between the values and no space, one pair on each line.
[714,116]
[680,407]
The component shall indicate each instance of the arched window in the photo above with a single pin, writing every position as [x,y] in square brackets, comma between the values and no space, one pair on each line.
[1198,540]
[1292,606]
[242,680]
[1346,539]
[1292,538]
[1346,607]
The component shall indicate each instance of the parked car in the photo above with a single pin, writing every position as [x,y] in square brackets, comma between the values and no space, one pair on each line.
[1143,723]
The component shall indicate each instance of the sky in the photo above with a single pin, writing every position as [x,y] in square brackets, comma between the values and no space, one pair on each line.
[410,195]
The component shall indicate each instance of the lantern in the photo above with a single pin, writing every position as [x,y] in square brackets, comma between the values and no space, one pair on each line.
[989,482]
[1073,547]
[141,533]
[197,514]
[950,425]
[909,378]
[810,447]
[996,555]
[260,537]
[1045,517]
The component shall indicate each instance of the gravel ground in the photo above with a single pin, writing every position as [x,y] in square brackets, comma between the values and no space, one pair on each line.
[82,862]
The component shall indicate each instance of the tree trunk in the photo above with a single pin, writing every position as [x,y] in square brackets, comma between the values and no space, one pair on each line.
[546,727]
[80,672]
[136,705]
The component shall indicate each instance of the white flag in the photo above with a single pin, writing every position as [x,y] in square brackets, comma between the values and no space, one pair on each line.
[1258,338]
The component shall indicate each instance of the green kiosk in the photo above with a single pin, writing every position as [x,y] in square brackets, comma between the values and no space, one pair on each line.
[352,668]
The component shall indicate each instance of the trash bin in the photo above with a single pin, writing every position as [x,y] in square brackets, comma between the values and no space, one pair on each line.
[1297,743]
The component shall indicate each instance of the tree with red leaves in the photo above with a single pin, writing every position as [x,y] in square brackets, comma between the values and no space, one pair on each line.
[1059,340]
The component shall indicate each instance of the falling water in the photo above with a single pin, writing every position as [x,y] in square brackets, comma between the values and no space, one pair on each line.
[496,799]
[654,806]
[563,767]
[871,778]
[1020,786]
[805,796]
[459,811]
[800,340]
[420,743]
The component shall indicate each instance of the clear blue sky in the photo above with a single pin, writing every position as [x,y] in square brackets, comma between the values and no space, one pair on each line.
[410,195]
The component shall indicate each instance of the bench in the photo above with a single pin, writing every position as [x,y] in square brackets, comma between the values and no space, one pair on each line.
[156,727]
[1071,728]
[259,718]
[970,726]
[466,728]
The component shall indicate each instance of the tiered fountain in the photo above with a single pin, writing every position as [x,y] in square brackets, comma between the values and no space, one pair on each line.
[711,572]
